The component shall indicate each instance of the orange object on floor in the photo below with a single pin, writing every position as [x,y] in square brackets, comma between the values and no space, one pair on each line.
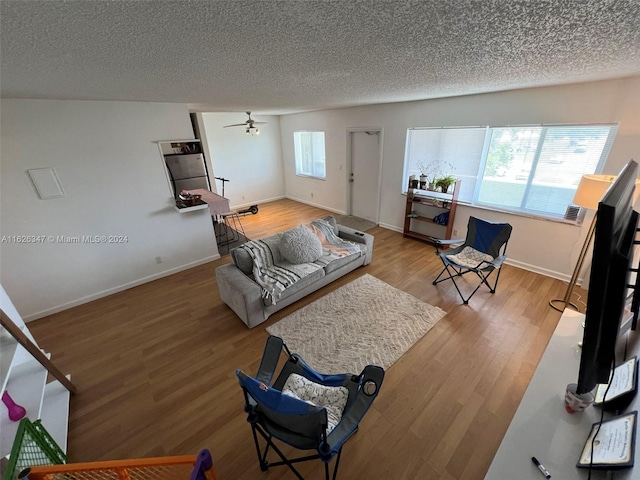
[185,467]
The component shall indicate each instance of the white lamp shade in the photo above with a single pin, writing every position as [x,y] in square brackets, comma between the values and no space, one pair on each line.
[591,189]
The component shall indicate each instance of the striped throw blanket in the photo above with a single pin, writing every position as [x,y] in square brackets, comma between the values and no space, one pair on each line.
[275,276]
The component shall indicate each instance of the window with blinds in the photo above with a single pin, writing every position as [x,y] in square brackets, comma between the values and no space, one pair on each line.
[530,169]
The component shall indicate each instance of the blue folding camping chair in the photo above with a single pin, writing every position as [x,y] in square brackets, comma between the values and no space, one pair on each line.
[304,408]
[482,252]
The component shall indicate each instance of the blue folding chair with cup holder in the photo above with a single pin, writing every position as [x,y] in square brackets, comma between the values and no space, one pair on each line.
[482,252]
[303,408]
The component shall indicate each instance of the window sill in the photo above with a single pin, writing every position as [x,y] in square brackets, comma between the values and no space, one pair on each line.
[311,176]
[522,214]
[532,216]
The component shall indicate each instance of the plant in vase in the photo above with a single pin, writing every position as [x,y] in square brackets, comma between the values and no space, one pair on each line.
[443,183]
[426,171]
[434,171]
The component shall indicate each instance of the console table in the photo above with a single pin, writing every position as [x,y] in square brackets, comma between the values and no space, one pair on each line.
[542,428]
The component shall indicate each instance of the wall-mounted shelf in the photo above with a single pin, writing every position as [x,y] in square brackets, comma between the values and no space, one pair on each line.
[192,208]
[179,147]
[423,206]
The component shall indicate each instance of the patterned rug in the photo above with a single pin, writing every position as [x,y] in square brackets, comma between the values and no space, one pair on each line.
[363,322]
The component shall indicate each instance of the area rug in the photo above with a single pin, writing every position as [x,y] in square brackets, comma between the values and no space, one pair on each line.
[357,223]
[363,322]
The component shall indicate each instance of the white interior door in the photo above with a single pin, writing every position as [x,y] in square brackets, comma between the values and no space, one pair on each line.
[364,173]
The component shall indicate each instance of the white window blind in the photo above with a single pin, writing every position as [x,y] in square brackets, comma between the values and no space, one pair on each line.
[309,154]
[441,151]
[531,169]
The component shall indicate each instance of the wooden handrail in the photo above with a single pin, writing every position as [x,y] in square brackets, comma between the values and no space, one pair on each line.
[33,349]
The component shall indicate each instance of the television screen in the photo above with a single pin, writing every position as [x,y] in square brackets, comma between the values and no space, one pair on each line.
[616,224]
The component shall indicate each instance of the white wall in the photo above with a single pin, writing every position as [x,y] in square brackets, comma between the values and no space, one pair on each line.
[544,246]
[115,184]
[253,164]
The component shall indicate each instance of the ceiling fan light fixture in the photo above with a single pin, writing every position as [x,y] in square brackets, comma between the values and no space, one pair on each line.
[249,124]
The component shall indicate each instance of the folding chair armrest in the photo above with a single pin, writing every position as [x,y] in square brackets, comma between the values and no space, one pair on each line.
[372,374]
[352,417]
[498,261]
[270,357]
[442,242]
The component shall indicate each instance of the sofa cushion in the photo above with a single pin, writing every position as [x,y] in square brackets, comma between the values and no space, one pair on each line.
[331,263]
[300,245]
[242,260]
[307,278]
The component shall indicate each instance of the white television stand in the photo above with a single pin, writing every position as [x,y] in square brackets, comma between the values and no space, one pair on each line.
[542,428]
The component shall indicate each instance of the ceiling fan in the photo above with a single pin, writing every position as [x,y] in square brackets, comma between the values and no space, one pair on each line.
[249,125]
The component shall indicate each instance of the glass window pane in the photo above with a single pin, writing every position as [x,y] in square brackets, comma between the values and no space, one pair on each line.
[444,151]
[309,154]
[530,169]
[508,166]
[541,166]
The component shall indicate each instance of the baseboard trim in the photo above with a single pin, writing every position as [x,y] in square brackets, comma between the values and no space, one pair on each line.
[390,227]
[525,266]
[542,271]
[317,205]
[117,289]
[266,200]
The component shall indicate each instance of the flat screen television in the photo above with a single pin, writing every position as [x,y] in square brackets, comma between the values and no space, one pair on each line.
[615,230]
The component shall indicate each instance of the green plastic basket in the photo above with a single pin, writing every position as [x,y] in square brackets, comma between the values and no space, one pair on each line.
[32,446]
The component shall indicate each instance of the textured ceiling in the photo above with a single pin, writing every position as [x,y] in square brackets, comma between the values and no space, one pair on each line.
[288,56]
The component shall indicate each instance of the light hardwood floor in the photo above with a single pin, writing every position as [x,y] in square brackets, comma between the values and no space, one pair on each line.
[154,367]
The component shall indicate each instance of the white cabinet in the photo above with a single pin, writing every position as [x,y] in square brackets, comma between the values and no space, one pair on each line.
[25,378]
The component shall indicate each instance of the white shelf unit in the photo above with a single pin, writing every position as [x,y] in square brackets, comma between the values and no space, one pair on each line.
[26,381]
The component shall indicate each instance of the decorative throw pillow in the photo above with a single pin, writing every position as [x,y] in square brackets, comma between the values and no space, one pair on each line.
[333,399]
[300,245]
[242,260]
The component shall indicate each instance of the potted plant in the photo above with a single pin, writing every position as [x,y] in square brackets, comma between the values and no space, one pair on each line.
[443,183]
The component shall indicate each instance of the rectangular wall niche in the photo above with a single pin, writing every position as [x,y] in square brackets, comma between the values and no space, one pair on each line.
[46,182]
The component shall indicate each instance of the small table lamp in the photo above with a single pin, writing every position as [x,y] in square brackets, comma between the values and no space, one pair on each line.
[589,192]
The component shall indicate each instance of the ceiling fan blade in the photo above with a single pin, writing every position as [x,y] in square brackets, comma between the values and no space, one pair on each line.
[249,123]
